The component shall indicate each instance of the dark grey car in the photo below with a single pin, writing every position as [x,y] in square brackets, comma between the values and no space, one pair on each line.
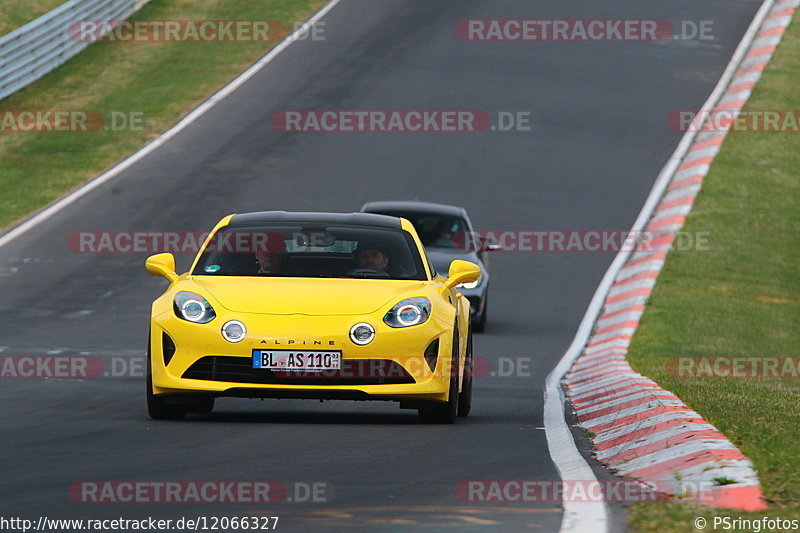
[447,233]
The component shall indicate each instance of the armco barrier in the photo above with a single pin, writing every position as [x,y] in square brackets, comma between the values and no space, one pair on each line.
[30,52]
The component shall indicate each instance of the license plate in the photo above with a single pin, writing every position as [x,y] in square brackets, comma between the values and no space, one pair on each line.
[301,361]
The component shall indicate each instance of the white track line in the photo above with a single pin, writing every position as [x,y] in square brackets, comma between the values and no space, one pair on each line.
[593,517]
[199,111]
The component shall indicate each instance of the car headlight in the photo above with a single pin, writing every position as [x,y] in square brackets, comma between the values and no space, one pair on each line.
[234,331]
[362,333]
[472,284]
[193,307]
[409,312]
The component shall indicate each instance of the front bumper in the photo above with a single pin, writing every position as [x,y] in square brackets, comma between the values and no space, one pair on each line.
[391,367]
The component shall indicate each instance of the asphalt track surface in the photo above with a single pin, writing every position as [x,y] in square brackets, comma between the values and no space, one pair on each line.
[598,141]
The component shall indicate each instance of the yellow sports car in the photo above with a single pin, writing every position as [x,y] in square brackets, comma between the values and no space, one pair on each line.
[311,305]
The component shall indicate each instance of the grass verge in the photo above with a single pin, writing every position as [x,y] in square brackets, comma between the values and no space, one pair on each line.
[154,83]
[739,298]
[17,13]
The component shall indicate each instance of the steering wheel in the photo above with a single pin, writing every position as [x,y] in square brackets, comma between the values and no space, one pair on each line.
[367,272]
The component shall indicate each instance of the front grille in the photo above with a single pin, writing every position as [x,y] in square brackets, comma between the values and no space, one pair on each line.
[353,372]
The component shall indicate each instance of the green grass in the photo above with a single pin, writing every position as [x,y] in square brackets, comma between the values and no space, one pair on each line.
[740,298]
[16,13]
[159,81]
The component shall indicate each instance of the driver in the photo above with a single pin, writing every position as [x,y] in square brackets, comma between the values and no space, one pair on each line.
[371,256]
[271,259]
[446,230]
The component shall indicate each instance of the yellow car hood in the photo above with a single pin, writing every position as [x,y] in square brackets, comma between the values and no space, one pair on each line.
[306,296]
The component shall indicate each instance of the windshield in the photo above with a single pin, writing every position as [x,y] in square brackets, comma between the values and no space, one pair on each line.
[312,252]
[437,231]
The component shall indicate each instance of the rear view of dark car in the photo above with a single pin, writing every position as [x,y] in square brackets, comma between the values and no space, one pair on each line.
[447,234]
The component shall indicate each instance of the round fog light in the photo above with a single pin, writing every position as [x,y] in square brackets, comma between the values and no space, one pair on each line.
[234,331]
[362,333]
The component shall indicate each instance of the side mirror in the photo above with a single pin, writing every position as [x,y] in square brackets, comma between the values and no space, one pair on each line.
[462,272]
[162,265]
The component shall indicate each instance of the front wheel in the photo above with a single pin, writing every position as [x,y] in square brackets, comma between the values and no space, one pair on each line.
[465,396]
[446,413]
[443,413]
[157,407]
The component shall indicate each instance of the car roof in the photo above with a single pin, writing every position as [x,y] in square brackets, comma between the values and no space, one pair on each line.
[416,207]
[285,217]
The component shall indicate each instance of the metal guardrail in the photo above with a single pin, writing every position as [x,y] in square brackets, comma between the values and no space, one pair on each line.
[30,52]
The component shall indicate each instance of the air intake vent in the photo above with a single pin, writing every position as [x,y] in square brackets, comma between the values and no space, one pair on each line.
[167,348]
[432,354]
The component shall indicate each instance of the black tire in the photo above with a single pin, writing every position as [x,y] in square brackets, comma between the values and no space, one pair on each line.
[157,407]
[445,413]
[465,396]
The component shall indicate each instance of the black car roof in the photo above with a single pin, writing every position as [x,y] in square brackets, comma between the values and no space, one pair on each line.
[285,217]
[415,207]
